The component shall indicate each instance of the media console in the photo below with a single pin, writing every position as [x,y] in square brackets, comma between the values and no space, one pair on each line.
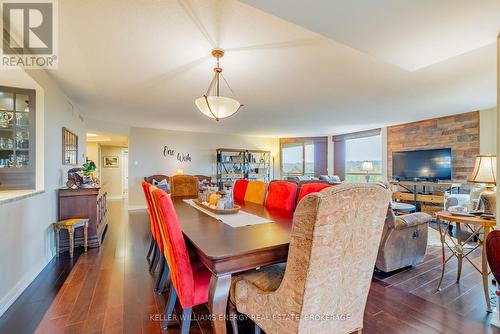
[422,192]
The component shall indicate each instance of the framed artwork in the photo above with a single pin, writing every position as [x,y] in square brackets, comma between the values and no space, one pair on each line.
[111,162]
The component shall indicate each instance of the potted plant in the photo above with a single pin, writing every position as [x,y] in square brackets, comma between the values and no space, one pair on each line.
[88,173]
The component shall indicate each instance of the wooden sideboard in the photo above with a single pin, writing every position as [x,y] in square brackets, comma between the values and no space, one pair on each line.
[83,203]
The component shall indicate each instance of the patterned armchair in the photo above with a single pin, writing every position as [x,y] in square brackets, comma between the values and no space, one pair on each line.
[184,185]
[333,247]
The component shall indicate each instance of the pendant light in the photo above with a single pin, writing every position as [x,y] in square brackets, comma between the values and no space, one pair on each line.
[212,104]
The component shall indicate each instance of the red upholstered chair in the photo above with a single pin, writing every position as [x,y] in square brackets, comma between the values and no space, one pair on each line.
[189,280]
[493,254]
[281,195]
[239,190]
[157,241]
[308,188]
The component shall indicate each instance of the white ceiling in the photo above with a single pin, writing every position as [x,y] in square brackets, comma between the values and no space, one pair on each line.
[368,64]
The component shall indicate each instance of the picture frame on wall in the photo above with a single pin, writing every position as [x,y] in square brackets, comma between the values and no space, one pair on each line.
[111,161]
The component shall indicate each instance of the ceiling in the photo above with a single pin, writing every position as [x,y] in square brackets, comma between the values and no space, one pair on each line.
[106,138]
[299,67]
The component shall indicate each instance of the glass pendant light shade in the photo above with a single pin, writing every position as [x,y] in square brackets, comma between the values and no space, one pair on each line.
[212,104]
[217,107]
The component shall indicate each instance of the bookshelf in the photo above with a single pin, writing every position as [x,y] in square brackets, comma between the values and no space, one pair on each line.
[239,164]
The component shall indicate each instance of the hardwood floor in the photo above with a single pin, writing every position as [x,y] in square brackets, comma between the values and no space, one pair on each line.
[109,290]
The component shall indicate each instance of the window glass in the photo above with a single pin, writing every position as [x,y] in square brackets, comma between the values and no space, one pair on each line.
[309,158]
[292,159]
[364,159]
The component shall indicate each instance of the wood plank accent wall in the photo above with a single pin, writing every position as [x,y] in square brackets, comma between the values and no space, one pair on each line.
[458,132]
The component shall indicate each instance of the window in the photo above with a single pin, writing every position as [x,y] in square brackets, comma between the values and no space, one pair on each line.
[363,159]
[303,156]
[70,147]
[17,138]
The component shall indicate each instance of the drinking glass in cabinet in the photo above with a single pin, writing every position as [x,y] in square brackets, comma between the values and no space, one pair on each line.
[22,139]
[22,119]
[6,143]
[22,160]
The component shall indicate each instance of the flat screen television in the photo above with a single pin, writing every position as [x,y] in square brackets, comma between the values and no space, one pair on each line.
[429,165]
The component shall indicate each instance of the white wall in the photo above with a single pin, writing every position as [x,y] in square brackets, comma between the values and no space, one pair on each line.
[27,238]
[488,131]
[111,177]
[146,154]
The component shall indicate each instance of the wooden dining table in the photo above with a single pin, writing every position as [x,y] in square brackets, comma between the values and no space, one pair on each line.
[227,250]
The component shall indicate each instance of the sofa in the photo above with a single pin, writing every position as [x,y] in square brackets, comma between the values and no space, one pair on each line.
[404,240]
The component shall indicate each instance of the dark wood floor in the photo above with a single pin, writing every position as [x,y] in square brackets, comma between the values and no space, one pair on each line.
[109,290]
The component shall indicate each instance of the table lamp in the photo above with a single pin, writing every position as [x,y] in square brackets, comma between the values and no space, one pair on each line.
[485,171]
[367,167]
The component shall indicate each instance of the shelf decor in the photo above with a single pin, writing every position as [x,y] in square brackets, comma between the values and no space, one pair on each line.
[238,164]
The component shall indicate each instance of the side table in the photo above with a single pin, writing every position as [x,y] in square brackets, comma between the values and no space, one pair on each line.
[475,225]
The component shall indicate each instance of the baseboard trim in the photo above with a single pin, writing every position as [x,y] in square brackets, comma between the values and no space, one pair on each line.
[115,198]
[137,207]
[21,285]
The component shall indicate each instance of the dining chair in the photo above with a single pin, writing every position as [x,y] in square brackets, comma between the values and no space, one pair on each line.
[324,286]
[256,192]
[190,279]
[184,186]
[155,234]
[281,195]
[493,256]
[308,188]
[240,189]
[159,249]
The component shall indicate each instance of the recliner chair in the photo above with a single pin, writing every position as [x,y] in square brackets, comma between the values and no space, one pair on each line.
[404,240]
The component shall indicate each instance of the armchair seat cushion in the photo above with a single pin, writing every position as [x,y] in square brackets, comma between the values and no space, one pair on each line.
[411,220]
[266,279]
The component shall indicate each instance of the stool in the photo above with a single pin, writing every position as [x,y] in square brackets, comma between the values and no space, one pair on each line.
[70,225]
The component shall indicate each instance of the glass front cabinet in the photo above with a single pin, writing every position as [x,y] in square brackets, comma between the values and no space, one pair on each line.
[17,138]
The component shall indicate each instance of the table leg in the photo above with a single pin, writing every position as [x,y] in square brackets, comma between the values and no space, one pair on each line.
[85,236]
[56,230]
[71,242]
[217,301]
[484,270]
[459,251]
[442,236]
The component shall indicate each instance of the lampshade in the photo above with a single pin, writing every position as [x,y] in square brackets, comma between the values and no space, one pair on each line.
[212,104]
[367,166]
[217,107]
[485,170]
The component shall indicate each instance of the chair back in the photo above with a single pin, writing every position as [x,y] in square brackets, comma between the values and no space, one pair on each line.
[239,190]
[281,195]
[493,253]
[308,188]
[184,185]
[155,230]
[158,178]
[177,255]
[256,192]
[333,248]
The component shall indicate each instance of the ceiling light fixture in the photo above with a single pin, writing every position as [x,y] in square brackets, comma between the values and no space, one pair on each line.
[211,104]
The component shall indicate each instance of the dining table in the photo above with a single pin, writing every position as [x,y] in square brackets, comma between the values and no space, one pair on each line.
[228,251]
